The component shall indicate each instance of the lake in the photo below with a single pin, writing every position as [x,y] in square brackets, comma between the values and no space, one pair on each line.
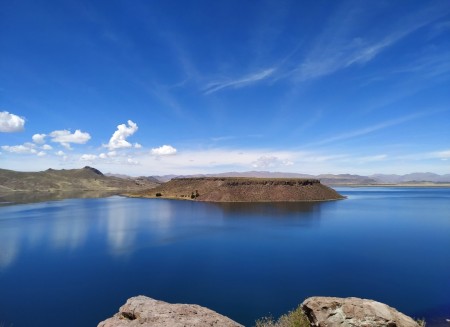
[74,262]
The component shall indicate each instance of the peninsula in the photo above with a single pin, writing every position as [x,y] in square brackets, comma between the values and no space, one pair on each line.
[84,179]
[241,189]
[51,184]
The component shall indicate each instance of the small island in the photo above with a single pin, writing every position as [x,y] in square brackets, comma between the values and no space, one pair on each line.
[241,189]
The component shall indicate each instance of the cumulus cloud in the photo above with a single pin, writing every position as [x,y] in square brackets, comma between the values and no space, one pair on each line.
[10,123]
[88,157]
[270,161]
[131,161]
[27,148]
[165,150]
[41,153]
[137,145]
[39,138]
[47,147]
[110,154]
[118,139]
[65,137]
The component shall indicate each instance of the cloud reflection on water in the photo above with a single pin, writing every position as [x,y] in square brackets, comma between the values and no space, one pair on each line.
[123,225]
[9,248]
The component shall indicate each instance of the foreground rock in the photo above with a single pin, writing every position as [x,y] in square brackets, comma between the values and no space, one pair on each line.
[143,311]
[241,189]
[351,312]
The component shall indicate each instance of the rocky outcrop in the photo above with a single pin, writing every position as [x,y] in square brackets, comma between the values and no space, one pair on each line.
[143,311]
[241,189]
[351,312]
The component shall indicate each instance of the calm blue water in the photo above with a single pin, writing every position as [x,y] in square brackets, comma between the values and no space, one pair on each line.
[76,261]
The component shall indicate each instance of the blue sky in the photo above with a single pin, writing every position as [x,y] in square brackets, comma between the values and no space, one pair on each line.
[160,87]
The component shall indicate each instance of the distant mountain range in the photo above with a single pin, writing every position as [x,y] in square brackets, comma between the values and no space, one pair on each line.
[91,179]
[332,179]
[414,177]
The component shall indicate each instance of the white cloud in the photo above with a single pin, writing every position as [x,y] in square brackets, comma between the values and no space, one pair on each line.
[137,145]
[88,157]
[442,154]
[60,153]
[131,161]
[240,82]
[165,150]
[118,139]
[41,153]
[47,147]
[110,154]
[65,137]
[39,138]
[379,157]
[371,129]
[27,148]
[10,123]
[270,162]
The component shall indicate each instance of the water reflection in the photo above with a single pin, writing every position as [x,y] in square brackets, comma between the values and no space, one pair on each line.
[69,228]
[9,248]
[125,225]
[217,254]
[58,225]
[121,228]
[34,197]
[268,208]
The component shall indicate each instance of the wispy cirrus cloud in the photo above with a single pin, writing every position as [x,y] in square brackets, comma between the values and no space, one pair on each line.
[341,46]
[369,129]
[239,82]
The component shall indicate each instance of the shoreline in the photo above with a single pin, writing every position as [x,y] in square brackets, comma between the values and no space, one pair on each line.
[203,201]
[246,190]
[418,185]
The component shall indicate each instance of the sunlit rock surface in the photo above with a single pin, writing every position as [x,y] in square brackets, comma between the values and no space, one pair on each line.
[351,312]
[143,311]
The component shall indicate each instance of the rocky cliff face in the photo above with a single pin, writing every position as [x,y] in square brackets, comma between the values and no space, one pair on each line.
[351,312]
[233,189]
[143,311]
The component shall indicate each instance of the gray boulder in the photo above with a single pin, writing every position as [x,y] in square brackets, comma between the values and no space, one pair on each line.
[143,311]
[352,312]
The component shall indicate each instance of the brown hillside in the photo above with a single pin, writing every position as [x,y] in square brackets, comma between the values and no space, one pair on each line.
[232,189]
[85,179]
